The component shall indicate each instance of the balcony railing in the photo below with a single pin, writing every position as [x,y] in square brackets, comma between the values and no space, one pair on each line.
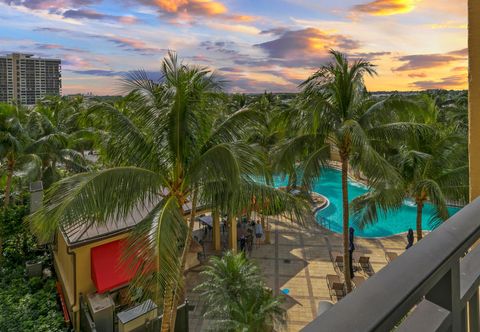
[433,286]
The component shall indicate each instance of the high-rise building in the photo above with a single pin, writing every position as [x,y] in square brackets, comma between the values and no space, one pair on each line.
[26,79]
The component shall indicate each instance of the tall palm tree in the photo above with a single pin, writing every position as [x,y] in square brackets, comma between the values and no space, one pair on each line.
[432,167]
[13,140]
[236,296]
[336,113]
[166,148]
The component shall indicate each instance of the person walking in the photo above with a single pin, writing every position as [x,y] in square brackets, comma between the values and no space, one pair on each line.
[258,232]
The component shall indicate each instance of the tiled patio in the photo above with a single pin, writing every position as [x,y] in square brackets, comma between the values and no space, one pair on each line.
[299,259]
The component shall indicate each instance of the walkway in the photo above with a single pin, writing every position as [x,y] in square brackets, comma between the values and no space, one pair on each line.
[299,259]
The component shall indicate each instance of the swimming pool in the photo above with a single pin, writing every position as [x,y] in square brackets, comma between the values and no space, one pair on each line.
[329,185]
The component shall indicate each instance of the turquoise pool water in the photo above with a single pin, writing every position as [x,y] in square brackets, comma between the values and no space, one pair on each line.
[329,185]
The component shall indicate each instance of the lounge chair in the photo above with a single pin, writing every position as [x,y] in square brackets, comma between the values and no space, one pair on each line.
[390,256]
[364,263]
[358,280]
[337,262]
[335,286]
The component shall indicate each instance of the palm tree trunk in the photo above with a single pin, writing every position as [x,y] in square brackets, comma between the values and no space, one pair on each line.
[170,307]
[8,185]
[346,253]
[419,220]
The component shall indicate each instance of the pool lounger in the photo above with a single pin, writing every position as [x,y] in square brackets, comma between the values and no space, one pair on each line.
[364,263]
[335,286]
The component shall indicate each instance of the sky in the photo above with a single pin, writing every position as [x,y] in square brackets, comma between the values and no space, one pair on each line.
[254,45]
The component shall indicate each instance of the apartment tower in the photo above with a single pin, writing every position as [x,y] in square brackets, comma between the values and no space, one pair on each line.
[26,79]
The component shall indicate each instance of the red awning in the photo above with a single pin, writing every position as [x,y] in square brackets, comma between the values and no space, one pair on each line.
[108,269]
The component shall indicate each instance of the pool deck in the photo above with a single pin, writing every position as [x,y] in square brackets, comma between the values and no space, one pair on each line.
[299,258]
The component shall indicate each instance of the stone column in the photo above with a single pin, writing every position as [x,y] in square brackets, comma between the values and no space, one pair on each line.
[266,229]
[474,96]
[216,231]
[232,233]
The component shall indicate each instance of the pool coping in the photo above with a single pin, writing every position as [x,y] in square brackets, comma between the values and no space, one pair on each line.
[319,207]
[361,182]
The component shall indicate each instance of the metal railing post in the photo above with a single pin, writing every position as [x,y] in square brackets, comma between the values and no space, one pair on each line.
[446,293]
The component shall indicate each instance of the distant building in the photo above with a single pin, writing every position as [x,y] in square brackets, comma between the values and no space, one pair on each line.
[26,79]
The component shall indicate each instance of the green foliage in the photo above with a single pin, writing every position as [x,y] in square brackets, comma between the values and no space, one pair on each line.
[25,304]
[165,143]
[432,166]
[28,304]
[17,240]
[236,297]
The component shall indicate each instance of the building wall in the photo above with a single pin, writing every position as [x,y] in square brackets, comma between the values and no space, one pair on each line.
[26,79]
[474,95]
[64,268]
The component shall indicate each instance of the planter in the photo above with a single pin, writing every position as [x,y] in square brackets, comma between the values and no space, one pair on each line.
[34,268]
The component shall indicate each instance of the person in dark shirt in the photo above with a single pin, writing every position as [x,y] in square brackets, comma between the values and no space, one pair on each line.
[242,243]
[410,238]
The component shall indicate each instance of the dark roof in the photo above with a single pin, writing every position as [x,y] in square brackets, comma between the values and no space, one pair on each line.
[80,234]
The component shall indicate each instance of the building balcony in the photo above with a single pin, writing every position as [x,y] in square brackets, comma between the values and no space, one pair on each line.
[433,286]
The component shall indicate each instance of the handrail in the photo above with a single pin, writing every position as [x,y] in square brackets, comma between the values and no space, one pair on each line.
[430,270]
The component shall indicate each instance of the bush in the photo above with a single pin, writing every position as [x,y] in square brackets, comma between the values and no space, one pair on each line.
[25,304]
[18,243]
[28,305]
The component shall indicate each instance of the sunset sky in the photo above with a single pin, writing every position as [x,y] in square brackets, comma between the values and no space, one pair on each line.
[255,45]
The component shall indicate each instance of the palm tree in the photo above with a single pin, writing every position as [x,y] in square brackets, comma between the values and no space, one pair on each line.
[336,113]
[236,296]
[166,148]
[13,140]
[54,128]
[433,167]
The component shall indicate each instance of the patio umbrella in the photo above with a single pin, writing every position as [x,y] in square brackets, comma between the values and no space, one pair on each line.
[351,248]
[410,238]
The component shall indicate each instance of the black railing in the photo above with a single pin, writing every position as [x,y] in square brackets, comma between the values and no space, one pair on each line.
[433,286]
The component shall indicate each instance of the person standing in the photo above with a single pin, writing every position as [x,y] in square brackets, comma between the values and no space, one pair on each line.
[242,243]
[258,231]
[410,238]
[351,249]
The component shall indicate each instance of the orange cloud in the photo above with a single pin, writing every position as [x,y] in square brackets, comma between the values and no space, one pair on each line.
[170,6]
[307,47]
[386,7]
[186,8]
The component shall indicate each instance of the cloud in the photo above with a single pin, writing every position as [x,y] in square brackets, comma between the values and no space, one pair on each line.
[306,46]
[369,56]
[386,7]
[417,75]
[43,46]
[126,43]
[94,15]
[449,25]
[450,82]
[185,9]
[239,28]
[425,61]
[132,44]
[98,72]
[53,5]
[151,74]
[225,47]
